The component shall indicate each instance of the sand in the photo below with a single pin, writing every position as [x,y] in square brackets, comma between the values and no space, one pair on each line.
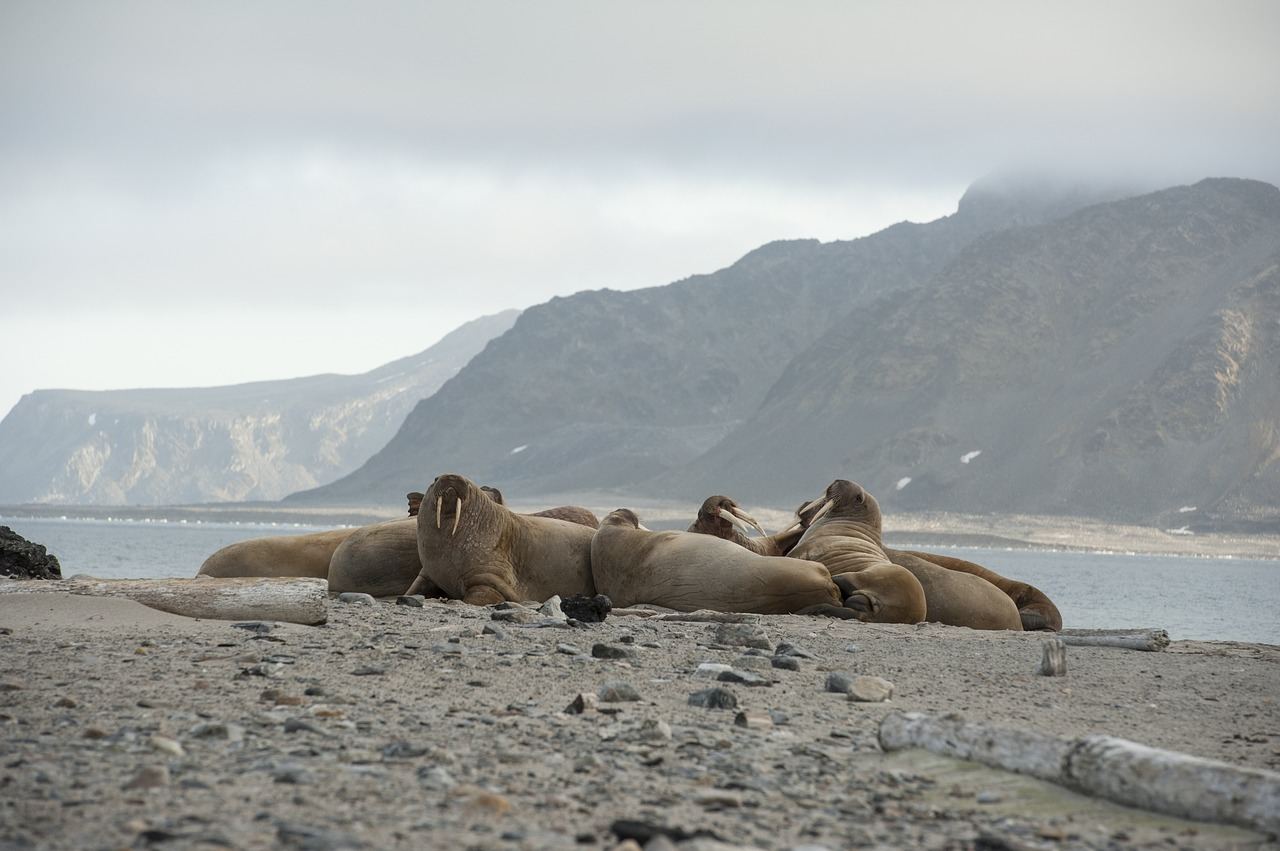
[395,727]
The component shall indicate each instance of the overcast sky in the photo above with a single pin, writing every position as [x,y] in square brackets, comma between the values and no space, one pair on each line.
[205,193]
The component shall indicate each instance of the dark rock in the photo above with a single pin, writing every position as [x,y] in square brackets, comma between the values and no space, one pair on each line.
[403,750]
[786,663]
[412,600]
[258,627]
[586,609]
[308,838]
[642,832]
[745,678]
[297,725]
[495,631]
[714,698]
[838,682]
[788,649]
[22,559]
[611,651]
[368,671]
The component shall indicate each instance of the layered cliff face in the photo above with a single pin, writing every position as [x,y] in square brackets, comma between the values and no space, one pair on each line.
[610,390]
[255,441]
[1121,362]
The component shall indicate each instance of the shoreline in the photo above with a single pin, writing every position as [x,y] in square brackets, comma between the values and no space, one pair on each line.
[948,529]
[440,727]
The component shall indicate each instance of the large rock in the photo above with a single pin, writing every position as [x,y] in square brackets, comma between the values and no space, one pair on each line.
[22,559]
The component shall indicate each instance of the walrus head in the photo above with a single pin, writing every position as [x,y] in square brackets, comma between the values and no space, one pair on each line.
[447,513]
[494,494]
[623,517]
[720,516]
[844,500]
[415,502]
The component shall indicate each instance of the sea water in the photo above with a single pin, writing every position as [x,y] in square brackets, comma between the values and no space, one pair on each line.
[1220,599]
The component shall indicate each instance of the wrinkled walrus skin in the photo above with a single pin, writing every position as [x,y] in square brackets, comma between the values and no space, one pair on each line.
[687,572]
[286,555]
[1035,609]
[482,553]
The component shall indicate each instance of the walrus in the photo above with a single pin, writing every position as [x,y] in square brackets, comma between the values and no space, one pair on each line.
[482,553]
[951,597]
[284,555]
[572,513]
[1035,609]
[722,517]
[844,535]
[686,572]
[379,559]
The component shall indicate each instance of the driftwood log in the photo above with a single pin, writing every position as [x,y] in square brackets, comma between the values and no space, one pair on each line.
[1126,639]
[1119,770]
[292,599]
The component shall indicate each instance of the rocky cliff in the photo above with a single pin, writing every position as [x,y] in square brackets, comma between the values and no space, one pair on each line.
[255,441]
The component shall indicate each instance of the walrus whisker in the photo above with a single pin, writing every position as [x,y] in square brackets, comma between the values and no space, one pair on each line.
[457,515]
[439,502]
[749,519]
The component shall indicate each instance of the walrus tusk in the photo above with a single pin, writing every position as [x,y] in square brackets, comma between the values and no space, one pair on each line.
[643,528]
[457,515]
[795,525]
[439,501]
[417,583]
[810,504]
[748,518]
[734,520]
[826,506]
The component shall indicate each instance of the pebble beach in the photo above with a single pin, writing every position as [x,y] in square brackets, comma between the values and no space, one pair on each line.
[452,726]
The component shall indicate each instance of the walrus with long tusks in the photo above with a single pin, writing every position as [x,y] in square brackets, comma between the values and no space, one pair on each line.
[722,517]
[686,572]
[844,535]
[482,553]
[285,555]
[951,597]
[1035,609]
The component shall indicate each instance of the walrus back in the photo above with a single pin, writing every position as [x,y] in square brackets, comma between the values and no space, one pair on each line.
[287,555]
[380,559]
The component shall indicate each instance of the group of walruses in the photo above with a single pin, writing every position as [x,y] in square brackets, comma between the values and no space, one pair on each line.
[461,541]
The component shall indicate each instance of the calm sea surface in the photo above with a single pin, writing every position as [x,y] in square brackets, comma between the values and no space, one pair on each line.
[1217,599]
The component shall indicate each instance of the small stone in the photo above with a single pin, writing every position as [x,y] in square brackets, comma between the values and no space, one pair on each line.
[586,609]
[743,635]
[258,627]
[403,750]
[745,678]
[435,777]
[1053,662]
[788,649]
[291,773]
[150,777]
[870,690]
[568,650]
[298,725]
[714,698]
[357,597]
[93,733]
[988,797]
[413,601]
[368,671]
[217,730]
[852,648]
[65,703]
[164,744]
[718,798]
[314,691]
[617,691]
[786,663]
[495,631]
[517,615]
[583,702]
[611,651]
[650,730]
[10,686]
[711,670]
[778,717]
[838,682]
[271,670]
[753,721]
[551,608]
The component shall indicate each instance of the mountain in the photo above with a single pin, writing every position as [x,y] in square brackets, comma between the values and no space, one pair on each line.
[607,390]
[255,441]
[1121,362]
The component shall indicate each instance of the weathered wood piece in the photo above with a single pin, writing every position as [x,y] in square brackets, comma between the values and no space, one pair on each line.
[709,616]
[1054,661]
[1139,639]
[292,599]
[1104,767]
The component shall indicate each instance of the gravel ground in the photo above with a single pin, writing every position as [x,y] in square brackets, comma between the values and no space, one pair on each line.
[439,727]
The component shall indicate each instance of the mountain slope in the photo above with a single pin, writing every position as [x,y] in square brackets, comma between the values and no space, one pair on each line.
[254,441]
[605,390]
[1121,362]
